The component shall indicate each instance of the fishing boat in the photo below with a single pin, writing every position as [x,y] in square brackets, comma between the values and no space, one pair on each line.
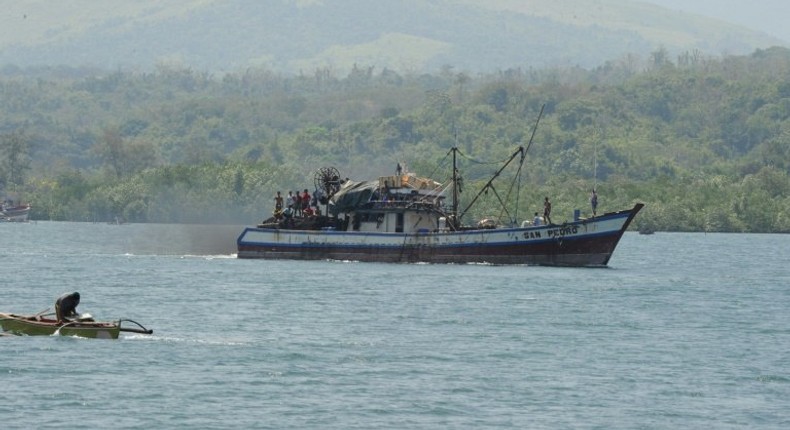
[10,212]
[405,219]
[84,326]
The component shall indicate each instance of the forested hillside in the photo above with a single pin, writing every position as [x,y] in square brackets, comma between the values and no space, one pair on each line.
[704,142]
[289,36]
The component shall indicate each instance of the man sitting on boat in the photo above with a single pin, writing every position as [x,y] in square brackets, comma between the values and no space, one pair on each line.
[66,306]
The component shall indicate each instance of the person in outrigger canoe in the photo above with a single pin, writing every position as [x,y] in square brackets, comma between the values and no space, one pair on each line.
[66,306]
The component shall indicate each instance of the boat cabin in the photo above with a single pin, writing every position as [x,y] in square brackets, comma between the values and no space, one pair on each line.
[393,204]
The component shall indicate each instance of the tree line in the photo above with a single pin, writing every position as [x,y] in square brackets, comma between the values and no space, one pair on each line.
[704,142]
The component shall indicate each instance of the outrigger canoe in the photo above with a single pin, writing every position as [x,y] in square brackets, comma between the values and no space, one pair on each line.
[39,325]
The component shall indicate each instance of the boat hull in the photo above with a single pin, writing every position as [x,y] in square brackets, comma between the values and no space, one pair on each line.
[36,326]
[15,214]
[587,242]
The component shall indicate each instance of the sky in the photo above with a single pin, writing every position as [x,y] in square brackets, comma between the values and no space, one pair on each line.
[769,16]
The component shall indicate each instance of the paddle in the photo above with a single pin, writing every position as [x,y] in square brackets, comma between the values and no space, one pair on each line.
[57,332]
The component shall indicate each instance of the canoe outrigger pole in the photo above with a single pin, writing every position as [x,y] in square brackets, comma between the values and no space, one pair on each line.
[141,330]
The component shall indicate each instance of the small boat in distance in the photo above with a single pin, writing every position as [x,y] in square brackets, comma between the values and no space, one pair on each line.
[85,326]
[10,212]
[646,230]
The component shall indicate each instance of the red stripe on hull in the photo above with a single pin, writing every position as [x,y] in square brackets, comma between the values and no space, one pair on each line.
[578,252]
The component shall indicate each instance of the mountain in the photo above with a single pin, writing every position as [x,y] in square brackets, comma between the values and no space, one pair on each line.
[292,36]
[768,16]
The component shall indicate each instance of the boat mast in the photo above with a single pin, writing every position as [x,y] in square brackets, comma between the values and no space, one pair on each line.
[595,163]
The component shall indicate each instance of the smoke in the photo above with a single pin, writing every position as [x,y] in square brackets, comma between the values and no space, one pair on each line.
[178,239]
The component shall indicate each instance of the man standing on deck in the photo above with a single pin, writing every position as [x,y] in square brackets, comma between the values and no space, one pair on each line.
[278,206]
[547,211]
[66,306]
[594,201]
[305,201]
[296,201]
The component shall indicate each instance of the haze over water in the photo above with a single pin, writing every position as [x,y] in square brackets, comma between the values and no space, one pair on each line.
[682,331]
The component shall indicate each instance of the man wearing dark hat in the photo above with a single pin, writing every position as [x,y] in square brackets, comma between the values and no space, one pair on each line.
[66,306]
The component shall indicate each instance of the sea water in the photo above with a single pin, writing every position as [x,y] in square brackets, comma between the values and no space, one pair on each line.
[681,331]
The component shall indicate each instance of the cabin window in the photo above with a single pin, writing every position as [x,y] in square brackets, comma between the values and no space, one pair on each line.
[399,223]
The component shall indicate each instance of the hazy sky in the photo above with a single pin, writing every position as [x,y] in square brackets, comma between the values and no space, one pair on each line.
[769,16]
